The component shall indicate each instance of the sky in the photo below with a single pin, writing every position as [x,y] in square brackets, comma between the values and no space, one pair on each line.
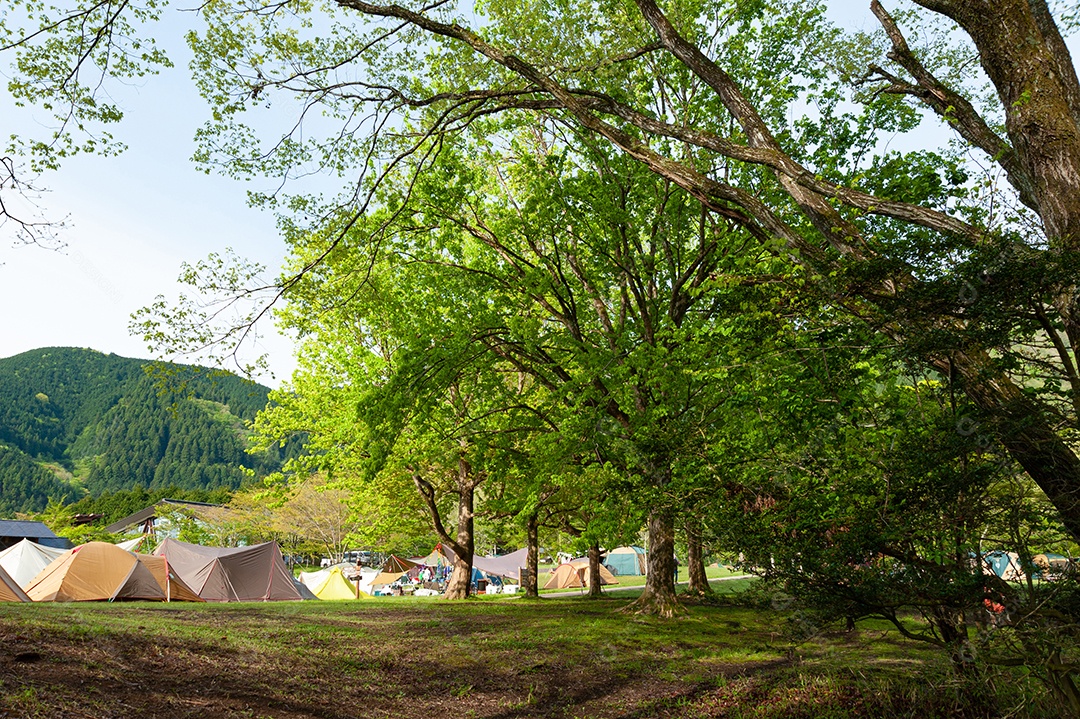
[131,220]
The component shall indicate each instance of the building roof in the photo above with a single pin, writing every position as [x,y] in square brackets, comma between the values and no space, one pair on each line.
[151,512]
[23,528]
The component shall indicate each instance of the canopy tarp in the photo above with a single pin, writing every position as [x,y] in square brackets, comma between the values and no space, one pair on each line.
[237,574]
[627,561]
[99,571]
[507,565]
[25,560]
[10,591]
[392,570]
[331,584]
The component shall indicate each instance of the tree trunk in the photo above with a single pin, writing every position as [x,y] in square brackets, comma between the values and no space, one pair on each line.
[659,595]
[699,583]
[594,581]
[460,583]
[1022,428]
[532,558]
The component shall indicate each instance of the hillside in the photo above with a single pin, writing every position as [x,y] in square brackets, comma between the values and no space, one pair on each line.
[76,421]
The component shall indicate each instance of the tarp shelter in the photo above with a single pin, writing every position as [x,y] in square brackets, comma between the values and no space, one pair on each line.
[508,566]
[1004,564]
[331,583]
[627,561]
[25,560]
[10,591]
[575,574]
[99,571]
[391,571]
[239,574]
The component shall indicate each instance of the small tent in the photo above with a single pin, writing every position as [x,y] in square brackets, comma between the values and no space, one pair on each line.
[574,574]
[331,583]
[238,574]
[627,561]
[10,591]
[25,560]
[1004,564]
[99,571]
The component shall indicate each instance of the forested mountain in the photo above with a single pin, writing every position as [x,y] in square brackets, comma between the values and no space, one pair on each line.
[76,421]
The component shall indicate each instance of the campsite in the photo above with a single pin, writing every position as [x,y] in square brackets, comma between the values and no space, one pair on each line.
[507,358]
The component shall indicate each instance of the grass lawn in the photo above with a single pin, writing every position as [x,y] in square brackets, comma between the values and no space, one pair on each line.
[564,657]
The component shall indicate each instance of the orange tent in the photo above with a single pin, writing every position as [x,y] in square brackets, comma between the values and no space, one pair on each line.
[100,571]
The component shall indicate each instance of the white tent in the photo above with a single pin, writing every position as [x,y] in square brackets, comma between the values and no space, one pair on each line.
[25,560]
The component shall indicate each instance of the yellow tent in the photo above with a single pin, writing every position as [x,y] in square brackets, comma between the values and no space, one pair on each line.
[335,586]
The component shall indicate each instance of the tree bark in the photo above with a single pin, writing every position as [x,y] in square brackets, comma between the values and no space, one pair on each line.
[594,581]
[659,595]
[460,584]
[532,558]
[699,583]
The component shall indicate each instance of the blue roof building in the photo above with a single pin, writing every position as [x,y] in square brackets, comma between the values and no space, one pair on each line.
[13,531]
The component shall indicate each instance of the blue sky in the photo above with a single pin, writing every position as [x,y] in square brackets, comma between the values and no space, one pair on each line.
[131,221]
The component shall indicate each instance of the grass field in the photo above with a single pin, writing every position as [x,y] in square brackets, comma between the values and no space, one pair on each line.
[562,657]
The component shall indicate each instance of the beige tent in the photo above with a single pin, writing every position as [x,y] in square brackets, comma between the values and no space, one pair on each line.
[236,574]
[576,574]
[10,591]
[100,571]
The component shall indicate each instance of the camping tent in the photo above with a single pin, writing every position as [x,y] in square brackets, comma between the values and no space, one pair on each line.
[330,583]
[576,574]
[101,571]
[1050,566]
[627,561]
[441,556]
[239,574]
[1004,564]
[10,591]
[391,571]
[25,560]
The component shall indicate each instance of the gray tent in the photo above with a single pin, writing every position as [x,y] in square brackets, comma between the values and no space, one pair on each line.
[241,574]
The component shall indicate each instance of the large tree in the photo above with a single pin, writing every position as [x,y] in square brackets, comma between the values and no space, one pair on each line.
[692,92]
